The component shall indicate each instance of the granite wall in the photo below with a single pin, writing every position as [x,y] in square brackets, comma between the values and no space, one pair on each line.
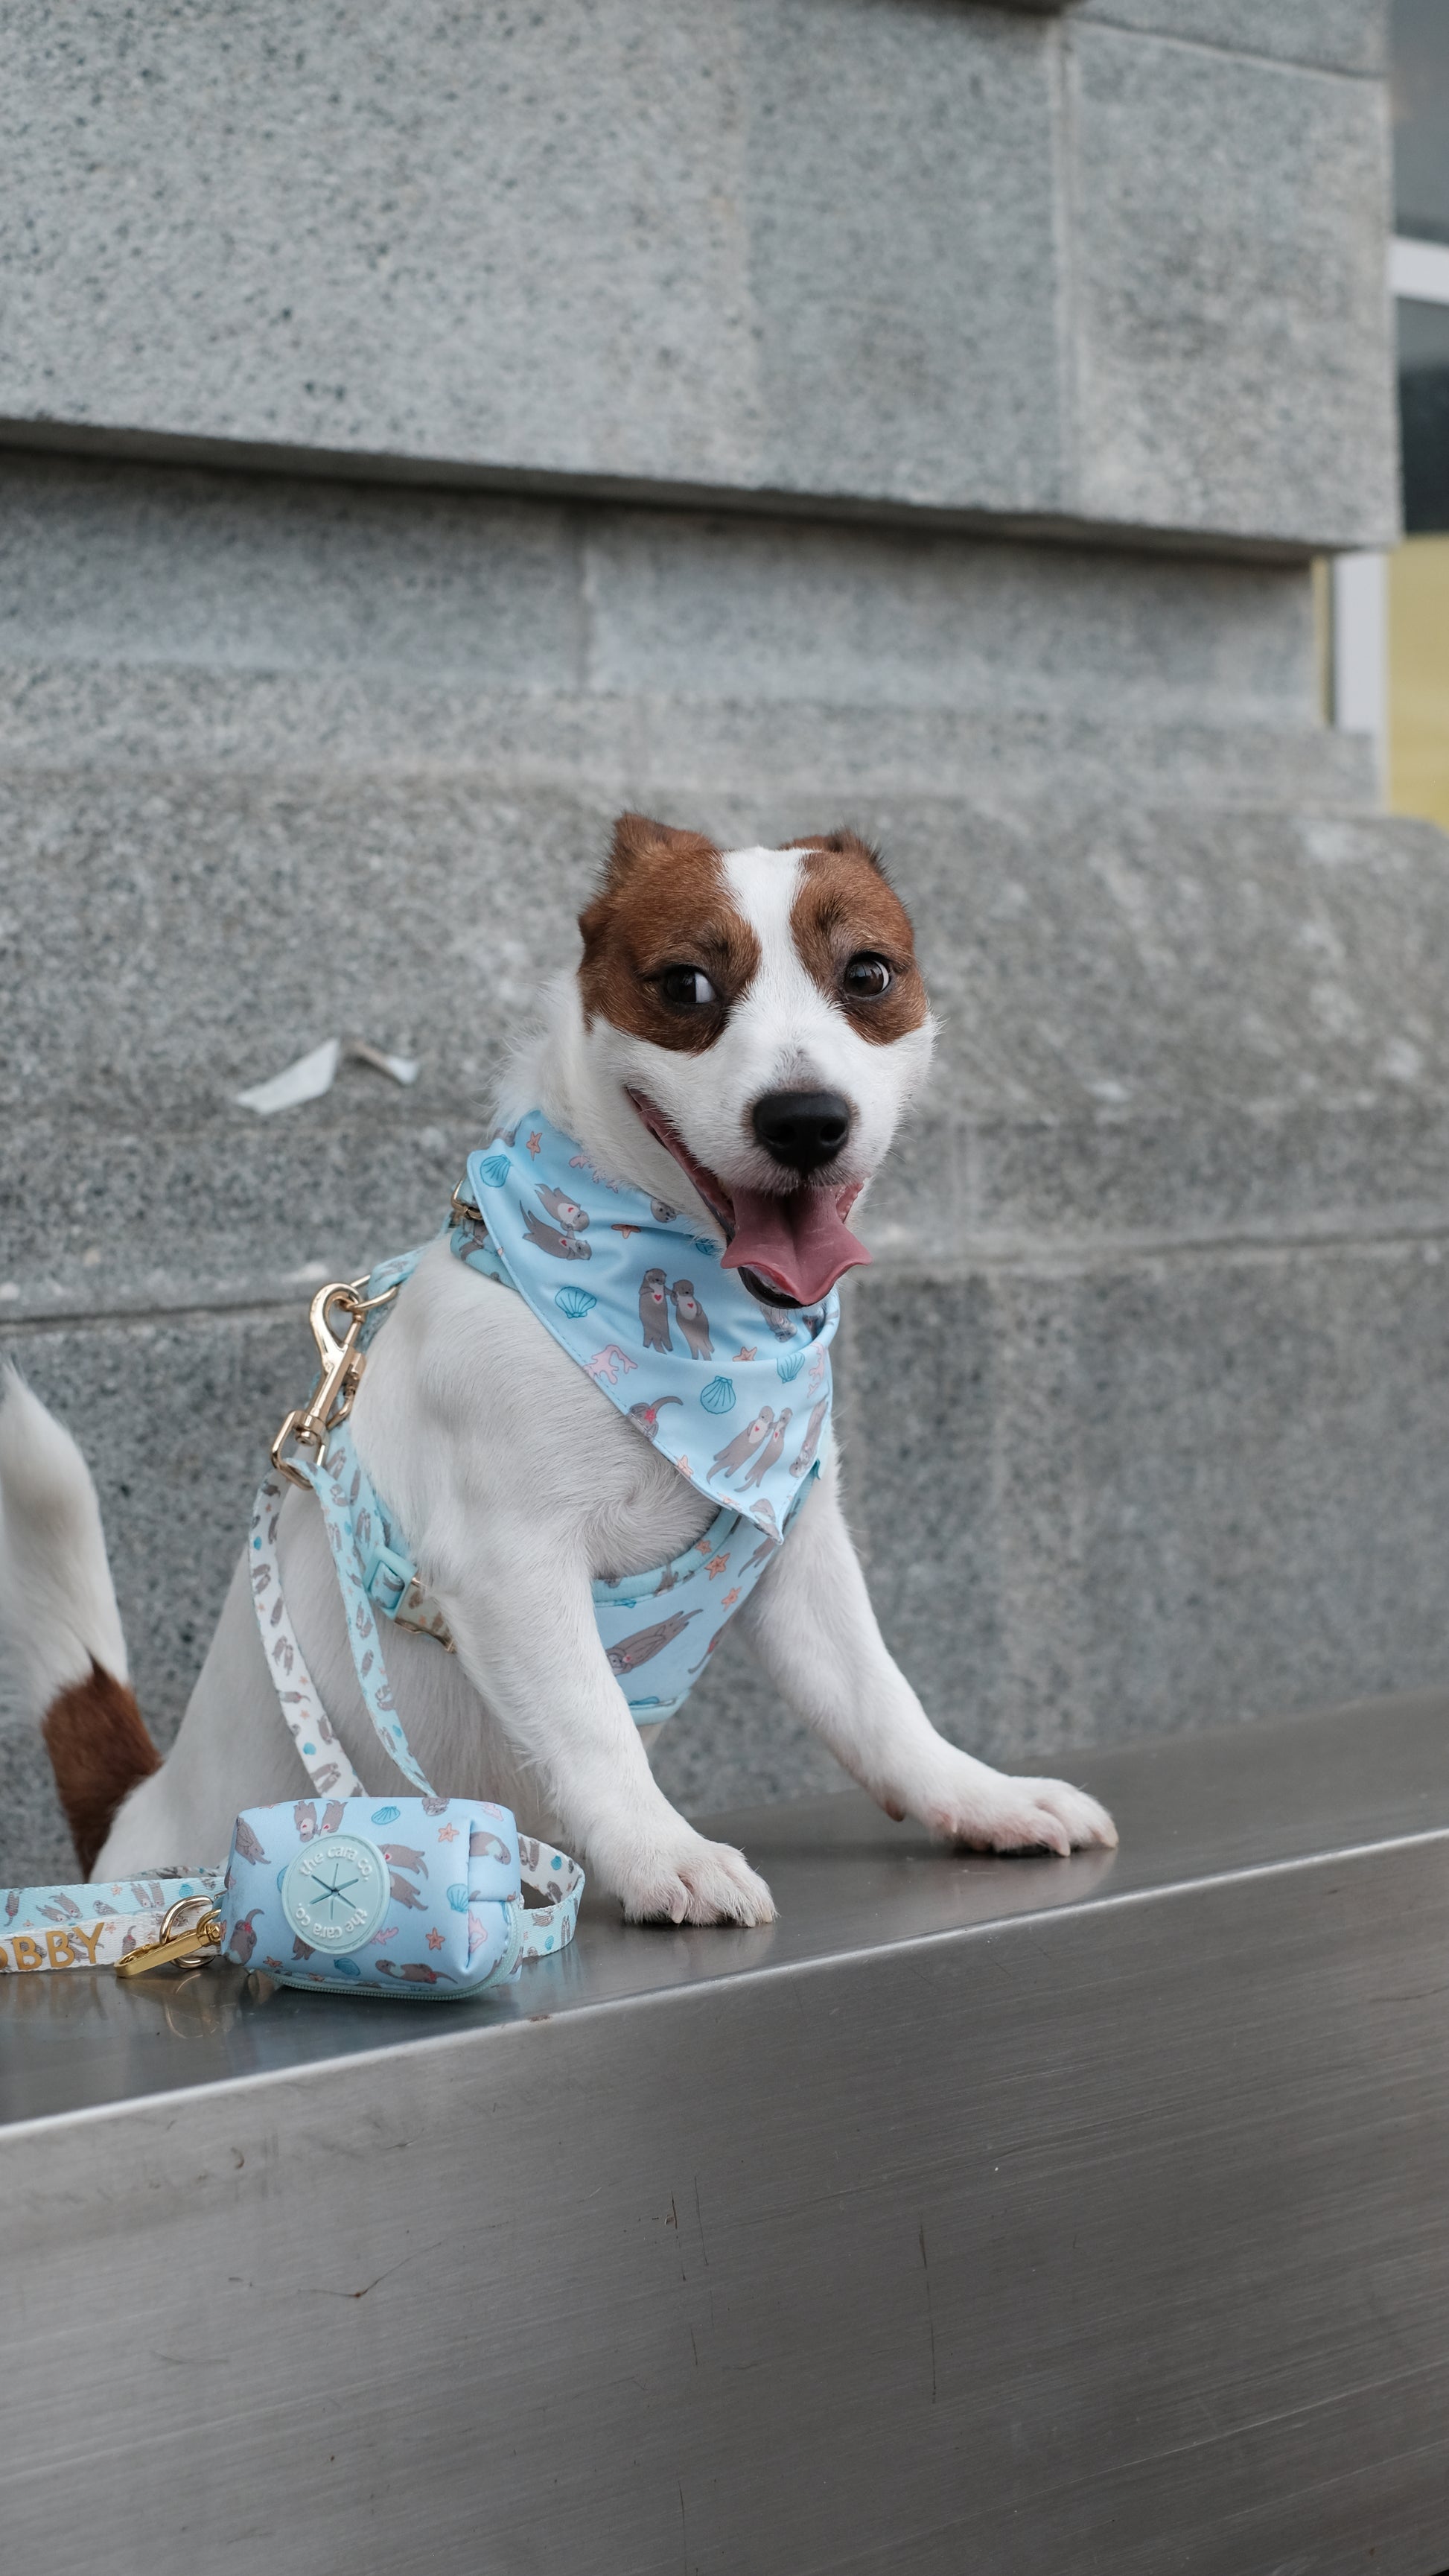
[429,428]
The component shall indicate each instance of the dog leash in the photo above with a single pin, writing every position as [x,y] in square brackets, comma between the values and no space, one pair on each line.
[136,1924]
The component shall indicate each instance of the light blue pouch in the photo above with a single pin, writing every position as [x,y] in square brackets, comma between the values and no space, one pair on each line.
[396,1896]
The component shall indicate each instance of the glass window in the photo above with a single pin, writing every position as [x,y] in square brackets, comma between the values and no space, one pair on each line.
[1421,118]
[1424,410]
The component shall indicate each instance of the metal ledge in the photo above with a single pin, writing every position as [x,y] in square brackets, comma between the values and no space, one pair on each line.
[983,2216]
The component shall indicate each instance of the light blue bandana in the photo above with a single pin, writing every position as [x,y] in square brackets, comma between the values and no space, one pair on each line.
[735,1393]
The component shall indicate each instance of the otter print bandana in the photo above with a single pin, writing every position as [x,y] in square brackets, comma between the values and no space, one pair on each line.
[734,1392]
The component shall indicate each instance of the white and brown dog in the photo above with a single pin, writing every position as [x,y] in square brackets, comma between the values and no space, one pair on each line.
[749,1024]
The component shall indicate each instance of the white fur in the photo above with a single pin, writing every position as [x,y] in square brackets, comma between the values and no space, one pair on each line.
[56,1599]
[516,1485]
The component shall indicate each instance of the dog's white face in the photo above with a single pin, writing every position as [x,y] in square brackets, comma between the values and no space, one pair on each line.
[754,1020]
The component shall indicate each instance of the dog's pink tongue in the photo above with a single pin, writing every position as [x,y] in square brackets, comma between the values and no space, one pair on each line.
[801,1244]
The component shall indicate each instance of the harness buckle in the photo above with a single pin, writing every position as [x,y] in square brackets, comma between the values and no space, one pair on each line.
[342,1363]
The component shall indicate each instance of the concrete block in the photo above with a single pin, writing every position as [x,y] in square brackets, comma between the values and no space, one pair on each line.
[684,253]
[1218,279]
[1155,1024]
[1156,1494]
[140,568]
[608,242]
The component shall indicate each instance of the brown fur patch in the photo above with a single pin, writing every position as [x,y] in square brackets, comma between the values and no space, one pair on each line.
[845,908]
[664,901]
[99,1748]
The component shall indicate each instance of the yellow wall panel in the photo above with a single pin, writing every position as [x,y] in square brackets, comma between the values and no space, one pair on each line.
[1419,678]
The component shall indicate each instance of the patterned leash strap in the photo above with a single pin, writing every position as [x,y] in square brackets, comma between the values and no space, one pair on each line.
[91,1925]
[346,1502]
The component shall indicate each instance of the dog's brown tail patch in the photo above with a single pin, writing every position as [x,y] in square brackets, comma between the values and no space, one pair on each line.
[99,1749]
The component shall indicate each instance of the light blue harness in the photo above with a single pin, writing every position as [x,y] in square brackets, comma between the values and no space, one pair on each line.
[657,1309]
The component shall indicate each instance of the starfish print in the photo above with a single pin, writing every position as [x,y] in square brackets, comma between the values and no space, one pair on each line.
[716,1565]
[747,1354]
[535,1143]
[730,1598]
[447,1833]
[704,1546]
[683,1465]
[625,1230]
[435,1940]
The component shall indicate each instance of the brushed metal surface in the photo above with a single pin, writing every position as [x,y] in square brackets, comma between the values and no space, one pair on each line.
[986,2216]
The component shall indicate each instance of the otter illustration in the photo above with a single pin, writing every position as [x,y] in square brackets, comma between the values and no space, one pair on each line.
[767,1547]
[647,1415]
[243,1938]
[646,1642]
[769,1456]
[562,1243]
[744,1444]
[332,1815]
[801,1466]
[246,1841]
[661,1212]
[435,1806]
[693,1321]
[403,1894]
[302,1949]
[565,1211]
[403,1856]
[304,1817]
[654,1312]
[486,1846]
[414,1972]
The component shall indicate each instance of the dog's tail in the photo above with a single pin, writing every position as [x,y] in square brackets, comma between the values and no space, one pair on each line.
[59,1616]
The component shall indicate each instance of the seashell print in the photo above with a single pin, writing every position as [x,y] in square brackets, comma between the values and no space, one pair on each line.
[386,1815]
[789,1365]
[574,1302]
[345,1968]
[705,1243]
[493,1171]
[458,1898]
[718,1396]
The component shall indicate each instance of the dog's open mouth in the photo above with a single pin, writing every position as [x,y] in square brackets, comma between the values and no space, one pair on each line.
[789,1250]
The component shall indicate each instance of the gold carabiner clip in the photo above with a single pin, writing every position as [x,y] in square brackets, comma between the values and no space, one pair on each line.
[330,1401]
[193,1942]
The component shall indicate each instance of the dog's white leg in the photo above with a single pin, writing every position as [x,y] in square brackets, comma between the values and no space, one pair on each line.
[810,1623]
[525,1632]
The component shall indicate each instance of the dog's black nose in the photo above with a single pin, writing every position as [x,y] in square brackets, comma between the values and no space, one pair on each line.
[802,1129]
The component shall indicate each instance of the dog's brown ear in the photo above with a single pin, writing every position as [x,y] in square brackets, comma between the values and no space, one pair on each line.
[637,838]
[843,844]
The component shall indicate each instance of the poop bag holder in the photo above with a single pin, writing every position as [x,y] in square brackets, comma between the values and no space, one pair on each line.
[406,1896]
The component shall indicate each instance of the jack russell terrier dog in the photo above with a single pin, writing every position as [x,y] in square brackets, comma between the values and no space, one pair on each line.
[725,1069]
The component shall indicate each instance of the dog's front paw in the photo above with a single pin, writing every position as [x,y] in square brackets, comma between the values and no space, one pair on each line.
[1002,1814]
[685,1879]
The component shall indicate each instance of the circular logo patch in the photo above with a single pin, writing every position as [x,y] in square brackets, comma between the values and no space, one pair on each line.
[335,1892]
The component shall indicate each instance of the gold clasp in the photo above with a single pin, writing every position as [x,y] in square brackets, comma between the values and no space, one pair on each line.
[197,1938]
[330,1401]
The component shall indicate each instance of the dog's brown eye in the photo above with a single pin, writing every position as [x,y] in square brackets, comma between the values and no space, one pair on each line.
[866,978]
[686,988]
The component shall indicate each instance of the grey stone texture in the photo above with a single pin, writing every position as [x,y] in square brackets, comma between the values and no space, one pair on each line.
[860,255]
[1145,1395]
